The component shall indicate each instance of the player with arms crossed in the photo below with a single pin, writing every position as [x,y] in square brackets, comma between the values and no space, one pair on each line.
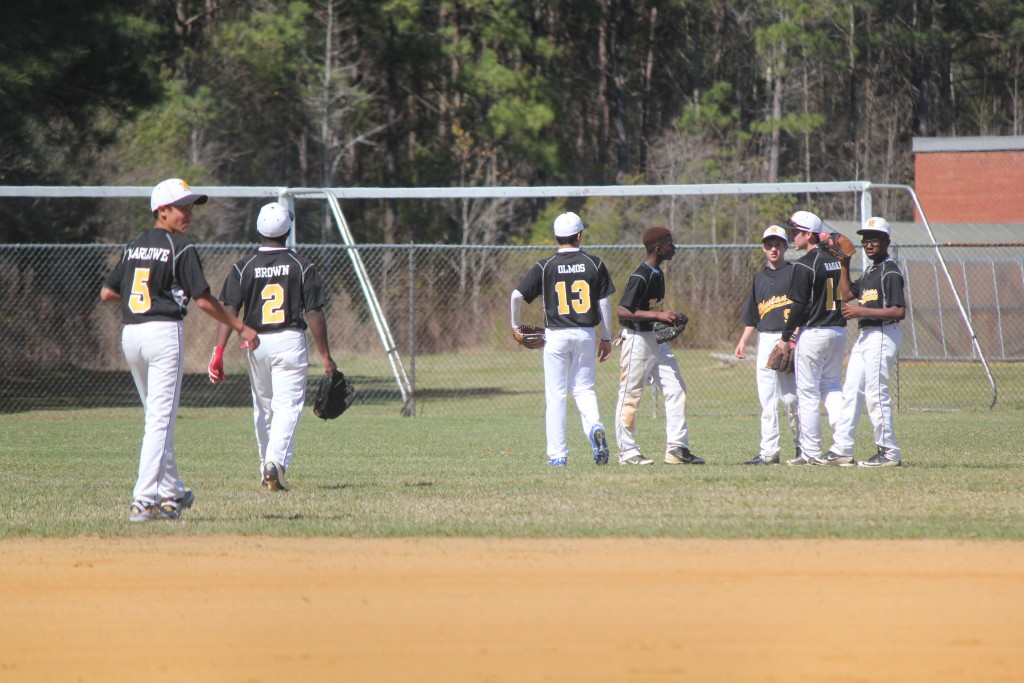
[280,292]
[821,344]
[158,273]
[574,287]
[642,305]
[766,310]
[877,302]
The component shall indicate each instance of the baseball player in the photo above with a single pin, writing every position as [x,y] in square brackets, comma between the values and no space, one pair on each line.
[159,272]
[766,310]
[878,304]
[574,287]
[281,294]
[641,356]
[818,363]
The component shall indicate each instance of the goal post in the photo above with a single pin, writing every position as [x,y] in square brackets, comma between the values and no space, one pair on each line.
[335,195]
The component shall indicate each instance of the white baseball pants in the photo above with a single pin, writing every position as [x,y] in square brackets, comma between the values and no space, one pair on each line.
[867,382]
[773,387]
[570,361]
[155,355]
[641,357]
[819,370]
[277,375]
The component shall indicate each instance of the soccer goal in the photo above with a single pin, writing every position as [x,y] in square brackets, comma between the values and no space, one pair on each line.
[857,196]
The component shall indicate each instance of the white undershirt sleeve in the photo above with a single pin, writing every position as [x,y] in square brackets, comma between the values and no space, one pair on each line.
[606,315]
[517,308]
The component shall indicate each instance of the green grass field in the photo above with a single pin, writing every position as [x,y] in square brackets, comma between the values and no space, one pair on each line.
[475,467]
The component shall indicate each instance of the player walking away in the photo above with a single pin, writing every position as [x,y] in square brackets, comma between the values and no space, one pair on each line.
[574,287]
[158,273]
[878,305]
[641,356]
[766,310]
[821,344]
[281,294]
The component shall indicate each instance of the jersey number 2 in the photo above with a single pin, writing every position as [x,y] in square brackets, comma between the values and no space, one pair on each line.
[580,302]
[273,300]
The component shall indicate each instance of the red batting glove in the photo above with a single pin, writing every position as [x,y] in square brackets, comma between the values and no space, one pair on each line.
[217,365]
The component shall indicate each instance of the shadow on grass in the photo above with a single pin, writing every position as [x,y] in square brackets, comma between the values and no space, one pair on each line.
[70,387]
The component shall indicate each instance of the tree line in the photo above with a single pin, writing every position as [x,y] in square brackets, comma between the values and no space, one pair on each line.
[486,92]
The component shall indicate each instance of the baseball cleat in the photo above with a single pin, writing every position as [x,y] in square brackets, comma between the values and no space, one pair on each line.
[880,461]
[599,445]
[140,512]
[636,460]
[678,455]
[275,477]
[836,460]
[805,460]
[557,462]
[171,508]
[761,460]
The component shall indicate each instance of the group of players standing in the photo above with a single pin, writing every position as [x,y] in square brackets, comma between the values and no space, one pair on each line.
[280,294]
[799,307]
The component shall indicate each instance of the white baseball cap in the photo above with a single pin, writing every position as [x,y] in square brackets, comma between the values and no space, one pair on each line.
[876,224]
[568,224]
[805,220]
[775,231]
[274,220]
[174,192]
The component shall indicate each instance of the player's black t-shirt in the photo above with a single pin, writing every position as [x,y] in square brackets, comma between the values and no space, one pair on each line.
[276,287]
[159,272]
[645,291]
[881,286]
[767,305]
[571,283]
[814,291]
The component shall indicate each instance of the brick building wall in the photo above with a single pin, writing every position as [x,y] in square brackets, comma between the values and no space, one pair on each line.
[970,180]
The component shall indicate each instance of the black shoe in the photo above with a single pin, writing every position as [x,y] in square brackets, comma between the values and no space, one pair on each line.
[880,461]
[834,459]
[681,456]
[761,460]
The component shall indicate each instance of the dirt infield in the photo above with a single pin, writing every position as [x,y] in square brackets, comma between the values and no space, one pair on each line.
[276,609]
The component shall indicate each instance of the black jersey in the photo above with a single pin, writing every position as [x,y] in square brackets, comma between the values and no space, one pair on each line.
[814,291]
[645,291]
[881,286]
[570,282]
[159,272]
[767,305]
[276,286]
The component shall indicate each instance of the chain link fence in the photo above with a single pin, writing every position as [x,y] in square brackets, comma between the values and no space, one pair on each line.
[446,308]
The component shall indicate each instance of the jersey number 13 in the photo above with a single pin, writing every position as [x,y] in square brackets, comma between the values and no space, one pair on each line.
[576,294]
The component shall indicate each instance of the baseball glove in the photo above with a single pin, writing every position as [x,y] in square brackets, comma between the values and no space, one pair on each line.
[839,245]
[334,396]
[663,332]
[530,336]
[780,361]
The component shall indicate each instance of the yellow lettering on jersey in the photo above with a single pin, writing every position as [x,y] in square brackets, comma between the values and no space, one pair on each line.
[832,298]
[273,304]
[868,295]
[139,300]
[765,307]
[580,302]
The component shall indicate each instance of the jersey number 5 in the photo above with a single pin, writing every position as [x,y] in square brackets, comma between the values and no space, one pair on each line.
[139,301]
[580,302]
[273,301]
